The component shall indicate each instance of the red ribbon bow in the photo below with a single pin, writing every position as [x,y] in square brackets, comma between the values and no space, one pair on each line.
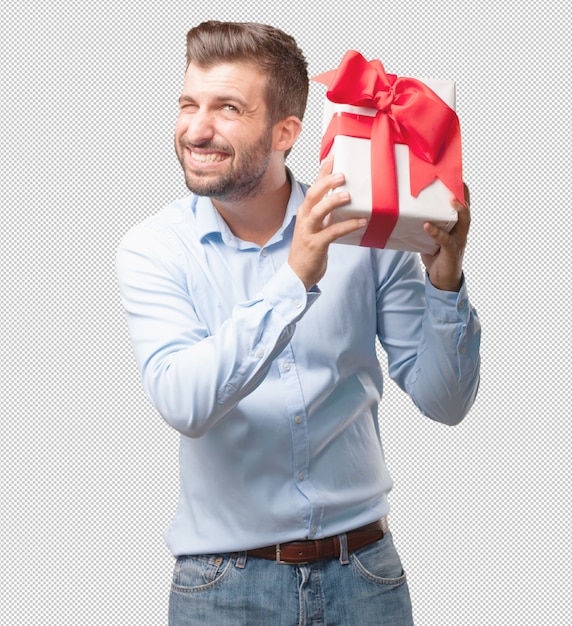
[408,112]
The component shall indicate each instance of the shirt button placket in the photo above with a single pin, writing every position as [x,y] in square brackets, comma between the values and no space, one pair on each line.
[265,266]
[300,434]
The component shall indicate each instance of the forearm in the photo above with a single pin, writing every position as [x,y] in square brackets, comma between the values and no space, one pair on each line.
[431,338]
[444,381]
[195,371]
[195,385]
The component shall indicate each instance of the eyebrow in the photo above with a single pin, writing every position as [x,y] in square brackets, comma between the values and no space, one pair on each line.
[218,99]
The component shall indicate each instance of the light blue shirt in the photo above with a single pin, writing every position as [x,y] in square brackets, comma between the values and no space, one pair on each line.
[274,390]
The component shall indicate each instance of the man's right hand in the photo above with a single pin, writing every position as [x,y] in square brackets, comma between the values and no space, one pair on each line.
[312,237]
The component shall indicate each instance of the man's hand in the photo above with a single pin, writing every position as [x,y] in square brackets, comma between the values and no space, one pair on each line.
[445,267]
[309,251]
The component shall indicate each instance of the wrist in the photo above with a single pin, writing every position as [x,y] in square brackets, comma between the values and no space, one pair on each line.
[449,283]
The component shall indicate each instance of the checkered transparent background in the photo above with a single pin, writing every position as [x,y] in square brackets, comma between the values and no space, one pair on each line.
[88,469]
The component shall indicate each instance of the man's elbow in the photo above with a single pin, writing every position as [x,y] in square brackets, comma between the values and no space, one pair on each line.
[451,410]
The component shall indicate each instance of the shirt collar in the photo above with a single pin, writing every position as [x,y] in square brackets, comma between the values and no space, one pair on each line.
[209,222]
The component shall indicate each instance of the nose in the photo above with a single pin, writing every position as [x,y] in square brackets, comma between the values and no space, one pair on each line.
[200,126]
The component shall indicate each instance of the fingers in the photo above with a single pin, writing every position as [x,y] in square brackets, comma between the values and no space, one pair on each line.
[317,220]
[457,236]
[325,182]
[463,212]
[321,199]
[312,232]
[467,196]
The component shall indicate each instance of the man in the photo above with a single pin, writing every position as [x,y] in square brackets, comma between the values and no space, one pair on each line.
[255,336]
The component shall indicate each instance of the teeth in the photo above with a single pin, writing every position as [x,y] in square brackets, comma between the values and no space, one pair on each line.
[207,158]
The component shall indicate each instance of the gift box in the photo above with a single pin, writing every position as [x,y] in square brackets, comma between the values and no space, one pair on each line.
[398,142]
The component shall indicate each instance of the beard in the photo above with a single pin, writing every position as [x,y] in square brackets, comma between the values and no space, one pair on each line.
[242,180]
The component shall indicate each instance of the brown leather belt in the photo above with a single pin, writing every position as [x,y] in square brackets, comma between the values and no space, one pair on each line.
[312,551]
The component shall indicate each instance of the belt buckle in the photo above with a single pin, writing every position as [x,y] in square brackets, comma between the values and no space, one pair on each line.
[278,555]
[281,562]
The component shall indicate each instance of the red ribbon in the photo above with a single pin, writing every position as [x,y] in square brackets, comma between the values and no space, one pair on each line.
[408,112]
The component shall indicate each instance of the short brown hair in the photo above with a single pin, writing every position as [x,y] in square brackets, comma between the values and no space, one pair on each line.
[271,50]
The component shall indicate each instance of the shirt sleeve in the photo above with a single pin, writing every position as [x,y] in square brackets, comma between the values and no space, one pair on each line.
[432,339]
[195,378]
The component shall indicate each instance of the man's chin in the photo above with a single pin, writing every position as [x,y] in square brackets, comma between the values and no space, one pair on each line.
[206,186]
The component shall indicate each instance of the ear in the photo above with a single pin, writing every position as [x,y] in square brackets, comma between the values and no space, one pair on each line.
[285,133]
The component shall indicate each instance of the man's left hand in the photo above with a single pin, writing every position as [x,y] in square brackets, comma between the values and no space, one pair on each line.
[445,267]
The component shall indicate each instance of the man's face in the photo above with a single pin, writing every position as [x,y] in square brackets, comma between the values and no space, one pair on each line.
[223,138]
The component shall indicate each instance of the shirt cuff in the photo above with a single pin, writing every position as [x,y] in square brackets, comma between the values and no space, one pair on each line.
[287,295]
[448,306]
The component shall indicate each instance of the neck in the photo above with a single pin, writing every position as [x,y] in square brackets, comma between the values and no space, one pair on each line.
[257,218]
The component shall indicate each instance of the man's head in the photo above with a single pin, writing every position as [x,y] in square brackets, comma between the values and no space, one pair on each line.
[244,93]
[272,51]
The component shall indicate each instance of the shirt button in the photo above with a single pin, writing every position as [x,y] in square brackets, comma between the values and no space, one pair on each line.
[301,476]
[463,350]
[461,305]
[287,367]
[264,252]
[313,529]
[260,353]
[297,304]
[298,419]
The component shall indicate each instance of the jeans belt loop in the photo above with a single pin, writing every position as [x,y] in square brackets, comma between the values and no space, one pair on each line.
[241,560]
[344,556]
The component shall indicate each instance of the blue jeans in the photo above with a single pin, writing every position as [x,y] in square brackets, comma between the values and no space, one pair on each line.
[368,588]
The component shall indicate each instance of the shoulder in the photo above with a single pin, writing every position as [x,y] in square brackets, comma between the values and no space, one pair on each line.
[161,229]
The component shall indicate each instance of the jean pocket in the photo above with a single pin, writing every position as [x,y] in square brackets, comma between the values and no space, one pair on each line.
[196,573]
[379,562]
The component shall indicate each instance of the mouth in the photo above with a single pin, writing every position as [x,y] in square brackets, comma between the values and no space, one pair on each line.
[209,157]
[202,158]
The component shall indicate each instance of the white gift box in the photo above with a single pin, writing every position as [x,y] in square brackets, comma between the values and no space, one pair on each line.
[352,157]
